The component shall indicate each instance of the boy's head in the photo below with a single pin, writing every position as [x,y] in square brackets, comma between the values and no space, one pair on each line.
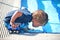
[40,18]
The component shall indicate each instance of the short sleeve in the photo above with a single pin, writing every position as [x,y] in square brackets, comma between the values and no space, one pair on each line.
[24,11]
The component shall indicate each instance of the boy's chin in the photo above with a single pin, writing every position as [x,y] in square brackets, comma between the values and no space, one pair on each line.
[35,26]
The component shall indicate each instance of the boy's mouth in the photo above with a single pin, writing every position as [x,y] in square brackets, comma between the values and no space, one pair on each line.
[34,25]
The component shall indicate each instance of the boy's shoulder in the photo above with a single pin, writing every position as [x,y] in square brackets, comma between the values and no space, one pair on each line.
[24,11]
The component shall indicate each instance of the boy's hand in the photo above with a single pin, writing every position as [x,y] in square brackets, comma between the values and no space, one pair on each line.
[13,25]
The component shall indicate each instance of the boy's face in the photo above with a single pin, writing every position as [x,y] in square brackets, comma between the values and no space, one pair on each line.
[35,23]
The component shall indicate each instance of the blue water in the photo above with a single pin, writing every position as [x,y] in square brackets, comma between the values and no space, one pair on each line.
[51,7]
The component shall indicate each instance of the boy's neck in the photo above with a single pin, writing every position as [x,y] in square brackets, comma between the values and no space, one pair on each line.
[32,16]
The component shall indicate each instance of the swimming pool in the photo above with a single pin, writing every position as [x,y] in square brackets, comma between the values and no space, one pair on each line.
[51,7]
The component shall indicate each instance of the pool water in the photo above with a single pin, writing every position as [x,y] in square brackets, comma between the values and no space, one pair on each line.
[51,7]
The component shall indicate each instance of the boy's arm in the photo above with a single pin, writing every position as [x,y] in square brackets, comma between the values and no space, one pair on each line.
[13,18]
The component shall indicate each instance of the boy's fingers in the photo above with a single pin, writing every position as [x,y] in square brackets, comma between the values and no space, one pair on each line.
[14,26]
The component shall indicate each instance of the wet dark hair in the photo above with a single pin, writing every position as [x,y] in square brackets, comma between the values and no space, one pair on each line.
[41,16]
[46,18]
